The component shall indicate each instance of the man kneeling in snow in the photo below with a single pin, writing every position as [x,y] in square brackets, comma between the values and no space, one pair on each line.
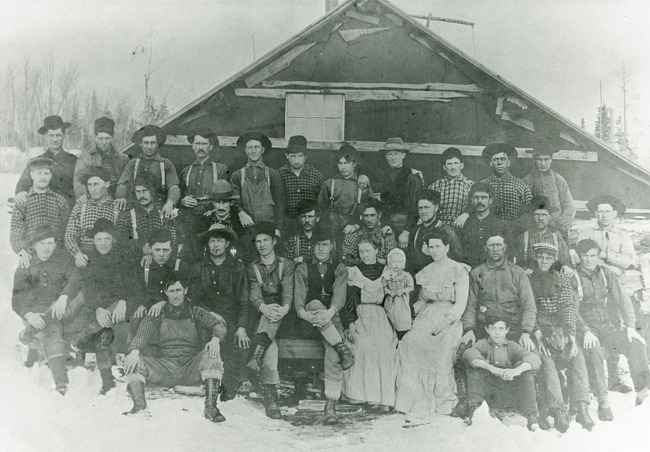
[180,359]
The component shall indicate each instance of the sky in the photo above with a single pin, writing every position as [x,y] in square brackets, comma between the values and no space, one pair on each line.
[558,51]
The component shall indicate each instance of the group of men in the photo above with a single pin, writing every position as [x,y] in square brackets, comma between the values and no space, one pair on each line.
[192,273]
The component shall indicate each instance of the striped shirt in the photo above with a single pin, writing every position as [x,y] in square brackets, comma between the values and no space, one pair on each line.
[454,197]
[512,195]
[82,218]
[48,208]
[299,245]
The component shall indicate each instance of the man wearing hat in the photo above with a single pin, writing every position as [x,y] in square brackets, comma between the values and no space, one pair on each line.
[43,295]
[63,169]
[617,250]
[370,216]
[428,203]
[112,297]
[512,194]
[270,283]
[41,206]
[137,223]
[259,189]
[298,247]
[397,186]
[555,334]
[320,288]
[87,210]
[481,224]
[150,138]
[541,232]
[544,181]
[302,182]
[198,180]
[453,188]
[102,154]
[222,287]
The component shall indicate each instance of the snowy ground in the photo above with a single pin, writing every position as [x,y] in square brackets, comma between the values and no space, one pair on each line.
[34,418]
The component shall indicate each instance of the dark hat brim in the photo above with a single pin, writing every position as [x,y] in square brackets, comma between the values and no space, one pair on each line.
[149,130]
[497,148]
[263,139]
[225,233]
[60,125]
[228,196]
[618,205]
[90,233]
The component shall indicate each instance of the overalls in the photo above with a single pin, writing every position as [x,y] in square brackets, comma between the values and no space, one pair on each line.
[257,198]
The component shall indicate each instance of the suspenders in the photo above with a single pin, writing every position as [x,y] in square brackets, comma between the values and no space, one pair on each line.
[581,293]
[266,173]
[162,171]
[258,274]
[134,223]
[177,266]
[214,175]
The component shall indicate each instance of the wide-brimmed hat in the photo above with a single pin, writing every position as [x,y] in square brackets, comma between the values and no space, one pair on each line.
[617,204]
[395,144]
[205,133]
[102,225]
[264,227]
[542,149]
[263,139]
[160,235]
[296,145]
[96,171]
[41,232]
[539,202]
[222,191]
[40,162]
[148,131]
[104,125]
[218,230]
[323,231]
[497,148]
[52,123]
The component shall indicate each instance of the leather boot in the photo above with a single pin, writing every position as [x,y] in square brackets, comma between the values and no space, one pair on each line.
[211,411]
[605,411]
[60,373]
[583,418]
[271,407]
[542,421]
[32,358]
[531,422]
[561,419]
[641,396]
[108,381]
[259,344]
[345,355]
[469,414]
[329,413]
[461,409]
[135,389]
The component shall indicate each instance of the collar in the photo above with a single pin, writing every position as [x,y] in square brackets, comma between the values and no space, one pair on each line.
[197,163]
[49,152]
[506,176]
[327,262]
[104,201]
[460,178]
[493,344]
[156,156]
[353,177]
[96,150]
[32,192]
[614,228]
[584,272]
[259,164]
[501,266]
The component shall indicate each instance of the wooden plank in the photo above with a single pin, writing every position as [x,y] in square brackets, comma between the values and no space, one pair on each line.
[356,95]
[395,19]
[420,40]
[362,17]
[276,66]
[300,349]
[416,148]
[567,137]
[352,36]
[432,86]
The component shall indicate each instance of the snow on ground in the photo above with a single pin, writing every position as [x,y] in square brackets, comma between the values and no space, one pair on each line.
[35,418]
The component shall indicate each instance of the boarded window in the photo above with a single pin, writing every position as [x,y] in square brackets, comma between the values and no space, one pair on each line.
[319,117]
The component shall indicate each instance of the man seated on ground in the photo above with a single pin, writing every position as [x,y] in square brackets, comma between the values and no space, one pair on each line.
[270,282]
[320,288]
[298,247]
[112,298]
[540,232]
[222,288]
[556,340]
[496,283]
[181,359]
[43,295]
[370,214]
[500,371]
[601,305]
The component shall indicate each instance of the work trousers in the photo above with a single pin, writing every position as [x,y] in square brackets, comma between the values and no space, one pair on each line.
[551,396]
[516,395]
[186,371]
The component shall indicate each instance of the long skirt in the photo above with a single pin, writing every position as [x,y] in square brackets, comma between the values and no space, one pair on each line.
[425,376]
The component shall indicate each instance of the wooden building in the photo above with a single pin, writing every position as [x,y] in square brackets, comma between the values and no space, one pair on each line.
[367,71]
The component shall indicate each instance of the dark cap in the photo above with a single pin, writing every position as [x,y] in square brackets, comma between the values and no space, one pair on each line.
[296,145]
[40,162]
[539,202]
[617,204]
[497,148]
[102,225]
[542,149]
[149,131]
[263,139]
[53,122]
[494,315]
[104,125]
[482,187]
[205,133]
[349,152]
[160,235]
[41,232]
[323,231]
[96,171]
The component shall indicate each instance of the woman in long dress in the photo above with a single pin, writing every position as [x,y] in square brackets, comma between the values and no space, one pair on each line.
[425,378]
[373,341]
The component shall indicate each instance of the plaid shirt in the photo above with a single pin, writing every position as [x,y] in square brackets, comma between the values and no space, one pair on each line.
[82,218]
[298,245]
[351,251]
[556,305]
[512,196]
[40,208]
[454,197]
[299,188]
[145,222]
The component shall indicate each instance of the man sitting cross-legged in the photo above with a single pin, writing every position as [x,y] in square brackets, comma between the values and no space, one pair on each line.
[181,358]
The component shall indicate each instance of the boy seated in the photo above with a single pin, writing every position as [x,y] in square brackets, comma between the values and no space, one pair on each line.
[500,372]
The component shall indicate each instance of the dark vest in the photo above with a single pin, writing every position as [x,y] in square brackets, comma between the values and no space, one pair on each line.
[320,288]
[395,197]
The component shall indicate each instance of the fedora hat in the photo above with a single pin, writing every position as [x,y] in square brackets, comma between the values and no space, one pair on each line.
[222,191]
[218,230]
[148,131]
[53,122]
[102,225]
[104,125]
[497,148]
[395,144]
[296,145]
[205,133]
[248,136]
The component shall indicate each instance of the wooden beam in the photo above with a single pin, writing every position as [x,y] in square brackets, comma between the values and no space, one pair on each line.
[395,19]
[353,36]
[355,95]
[420,40]
[471,88]
[276,66]
[416,148]
[362,17]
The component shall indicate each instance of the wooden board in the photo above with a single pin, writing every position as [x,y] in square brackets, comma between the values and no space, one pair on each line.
[356,95]
[276,66]
[300,349]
